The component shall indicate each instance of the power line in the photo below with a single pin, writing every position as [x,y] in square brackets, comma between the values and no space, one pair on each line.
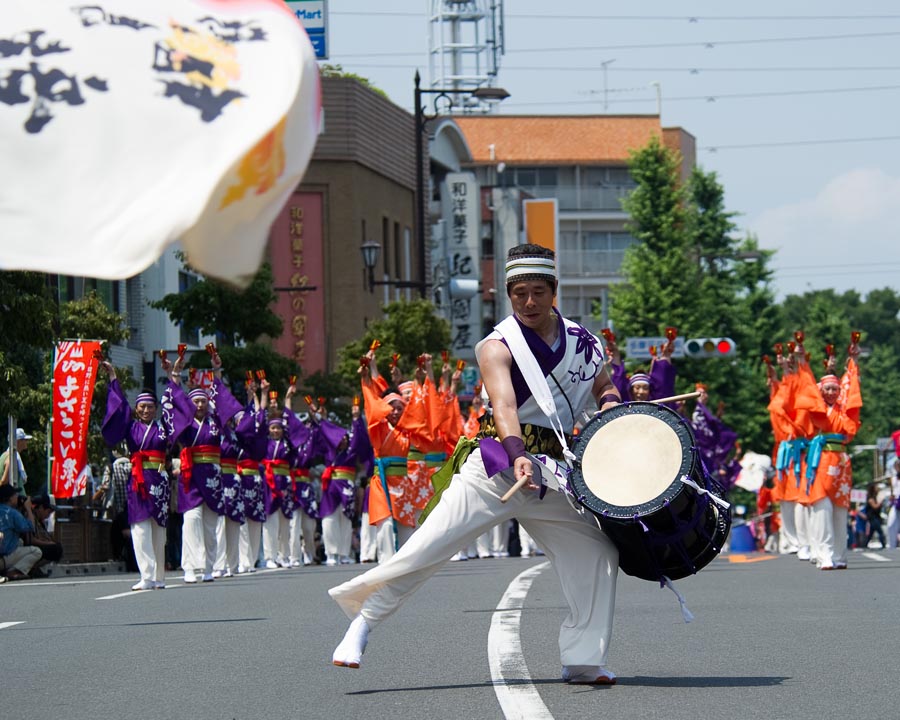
[680,18]
[710,44]
[795,143]
[669,69]
[715,97]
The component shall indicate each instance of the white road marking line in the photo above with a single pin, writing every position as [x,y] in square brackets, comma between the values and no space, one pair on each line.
[4,625]
[124,594]
[520,700]
[875,556]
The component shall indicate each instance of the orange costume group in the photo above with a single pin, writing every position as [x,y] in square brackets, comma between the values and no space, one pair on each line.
[812,423]
[410,451]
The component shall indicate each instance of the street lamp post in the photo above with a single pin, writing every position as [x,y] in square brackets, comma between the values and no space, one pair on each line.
[370,250]
[488,94]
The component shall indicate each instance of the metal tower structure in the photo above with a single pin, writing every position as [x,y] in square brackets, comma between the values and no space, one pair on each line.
[465,46]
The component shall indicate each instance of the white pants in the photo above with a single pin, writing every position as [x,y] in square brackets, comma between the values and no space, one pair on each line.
[839,521]
[801,525]
[893,527]
[271,535]
[228,545]
[500,539]
[387,542]
[149,541]
[198,539]
[585,561]
[24,557]
[337,534]
[527,543]
[787,536]
[821,532]
[303,537]
[251,534]
[368,549]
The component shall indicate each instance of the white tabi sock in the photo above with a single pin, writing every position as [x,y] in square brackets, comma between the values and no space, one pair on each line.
[349,652]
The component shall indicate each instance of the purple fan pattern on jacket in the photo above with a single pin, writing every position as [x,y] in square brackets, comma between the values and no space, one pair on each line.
[341,493]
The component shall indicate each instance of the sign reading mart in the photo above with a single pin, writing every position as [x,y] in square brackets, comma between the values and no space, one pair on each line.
[313,15]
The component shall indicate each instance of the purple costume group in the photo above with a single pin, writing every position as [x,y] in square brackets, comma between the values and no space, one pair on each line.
[244,477]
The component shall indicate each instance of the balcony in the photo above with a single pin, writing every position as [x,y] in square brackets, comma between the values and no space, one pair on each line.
[589,263]
[605,198]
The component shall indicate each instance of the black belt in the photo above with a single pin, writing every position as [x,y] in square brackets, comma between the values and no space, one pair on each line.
[539,440]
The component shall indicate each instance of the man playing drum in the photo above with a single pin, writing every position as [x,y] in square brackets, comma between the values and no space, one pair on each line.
[534,338]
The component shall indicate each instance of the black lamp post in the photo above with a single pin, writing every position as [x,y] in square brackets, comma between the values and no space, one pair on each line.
[489,94]
[370,250]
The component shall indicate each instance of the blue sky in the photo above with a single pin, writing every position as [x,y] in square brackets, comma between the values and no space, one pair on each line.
[794,104]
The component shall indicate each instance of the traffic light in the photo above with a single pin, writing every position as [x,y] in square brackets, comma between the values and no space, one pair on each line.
[709,347]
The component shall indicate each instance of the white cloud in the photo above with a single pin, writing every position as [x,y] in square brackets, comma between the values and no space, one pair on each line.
[847,237]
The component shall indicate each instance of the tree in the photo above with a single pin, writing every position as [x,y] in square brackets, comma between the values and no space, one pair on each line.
[688,271]
[408,329]
[215,308]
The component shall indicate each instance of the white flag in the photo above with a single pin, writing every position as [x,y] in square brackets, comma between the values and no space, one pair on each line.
[127,126]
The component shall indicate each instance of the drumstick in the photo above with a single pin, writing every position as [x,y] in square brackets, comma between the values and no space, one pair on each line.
[686,396]
[514,489]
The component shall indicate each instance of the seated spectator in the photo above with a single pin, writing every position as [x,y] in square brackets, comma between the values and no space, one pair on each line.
[16,559]
[41,538]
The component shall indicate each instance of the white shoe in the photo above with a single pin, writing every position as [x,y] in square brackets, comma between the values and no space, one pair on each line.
[588,675]
[332,560]
[159,585]
[143,585]
[296,563]
[208,577]
[217,574]
[241,570]
[346,560]
[190,576]
[349,652]
[459,557]
[271,564]
[227,574]
[525,555]
[803,553]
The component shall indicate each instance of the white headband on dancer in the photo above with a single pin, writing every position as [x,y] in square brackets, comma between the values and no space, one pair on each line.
[527,266]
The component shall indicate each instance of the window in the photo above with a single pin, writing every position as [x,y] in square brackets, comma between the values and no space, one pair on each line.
[386,245]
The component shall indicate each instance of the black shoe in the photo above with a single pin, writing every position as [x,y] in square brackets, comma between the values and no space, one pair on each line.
[37,573]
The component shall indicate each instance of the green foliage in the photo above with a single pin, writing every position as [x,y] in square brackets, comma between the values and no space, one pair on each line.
[328,70]
[215,308]
[408,328]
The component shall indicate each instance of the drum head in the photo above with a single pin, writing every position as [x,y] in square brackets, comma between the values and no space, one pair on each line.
[631,459]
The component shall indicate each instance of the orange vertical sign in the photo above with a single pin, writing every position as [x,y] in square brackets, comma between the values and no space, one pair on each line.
[541,222]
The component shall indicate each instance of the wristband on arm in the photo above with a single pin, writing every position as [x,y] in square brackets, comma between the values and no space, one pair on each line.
[608,397]
[515,448]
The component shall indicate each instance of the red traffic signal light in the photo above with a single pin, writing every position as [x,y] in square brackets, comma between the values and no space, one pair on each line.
[710,347]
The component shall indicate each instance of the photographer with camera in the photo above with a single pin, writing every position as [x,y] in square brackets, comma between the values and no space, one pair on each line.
[16,559]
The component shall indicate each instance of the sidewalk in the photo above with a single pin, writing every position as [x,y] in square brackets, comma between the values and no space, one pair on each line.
[63,570]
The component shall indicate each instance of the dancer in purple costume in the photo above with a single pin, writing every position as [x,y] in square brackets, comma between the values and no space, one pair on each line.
[659,383]
[147,439]
[338,503]
[200,490]
[718,444]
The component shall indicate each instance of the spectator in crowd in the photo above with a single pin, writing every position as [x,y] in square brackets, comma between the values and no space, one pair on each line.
[893,523]
[120,531]
[41,538]
[22,439]
[873,513]
[16,559]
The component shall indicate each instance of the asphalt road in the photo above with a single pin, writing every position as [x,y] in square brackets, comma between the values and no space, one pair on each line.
[773,638]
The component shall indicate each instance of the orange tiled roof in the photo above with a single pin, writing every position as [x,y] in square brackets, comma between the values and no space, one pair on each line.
[553,139]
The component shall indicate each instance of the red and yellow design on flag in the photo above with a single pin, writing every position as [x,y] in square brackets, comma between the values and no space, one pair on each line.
[74,372]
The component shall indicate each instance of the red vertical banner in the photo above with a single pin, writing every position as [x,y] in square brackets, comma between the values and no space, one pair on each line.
[74,372]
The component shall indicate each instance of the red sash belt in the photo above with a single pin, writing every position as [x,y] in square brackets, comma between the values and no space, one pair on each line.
[273,468]
[150,459]
[198,454]
[248,467]
[342,472]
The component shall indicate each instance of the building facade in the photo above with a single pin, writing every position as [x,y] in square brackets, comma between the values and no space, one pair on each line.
[581,163]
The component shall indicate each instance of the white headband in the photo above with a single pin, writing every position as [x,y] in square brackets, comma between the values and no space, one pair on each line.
[517,267]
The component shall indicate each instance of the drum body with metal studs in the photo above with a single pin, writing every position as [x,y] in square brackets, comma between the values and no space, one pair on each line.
[638,471]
